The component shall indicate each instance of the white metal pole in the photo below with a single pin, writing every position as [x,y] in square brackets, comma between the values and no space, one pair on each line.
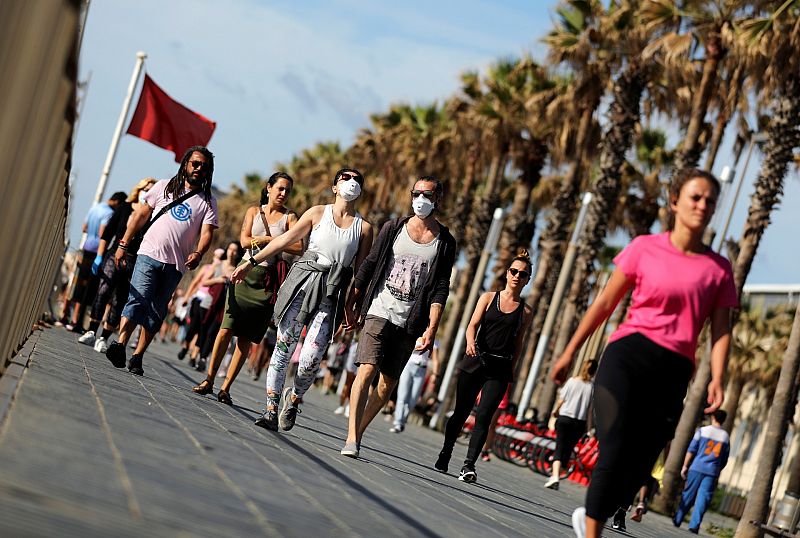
[480,275]
[724,233]
[112,150]
[553,310]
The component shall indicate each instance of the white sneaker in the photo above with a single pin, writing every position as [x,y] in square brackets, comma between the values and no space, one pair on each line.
[339,410]
[579,522]
[347,411]
[100,345]
[552,483]
[397,428]
[87,338]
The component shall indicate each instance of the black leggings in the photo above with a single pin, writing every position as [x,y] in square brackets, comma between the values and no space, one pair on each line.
[568,432]
[196,315]
[115,283]
[638,398]
[467,389]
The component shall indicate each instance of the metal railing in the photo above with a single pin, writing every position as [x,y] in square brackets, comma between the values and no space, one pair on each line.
[38,83]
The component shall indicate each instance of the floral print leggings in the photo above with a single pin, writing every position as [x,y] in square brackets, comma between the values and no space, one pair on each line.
[311,354]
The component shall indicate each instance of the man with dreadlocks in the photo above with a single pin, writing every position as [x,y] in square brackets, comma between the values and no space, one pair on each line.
[184,211]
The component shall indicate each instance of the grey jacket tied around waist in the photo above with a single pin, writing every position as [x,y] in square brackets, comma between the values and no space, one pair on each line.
[322,281]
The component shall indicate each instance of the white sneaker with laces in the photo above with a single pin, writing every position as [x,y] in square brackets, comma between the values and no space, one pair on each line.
[579,522]
[100,345]
[87,338]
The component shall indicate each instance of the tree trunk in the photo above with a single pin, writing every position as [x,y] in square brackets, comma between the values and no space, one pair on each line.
[735,387]
[757,506]
[783,137]
[623,114]
[724,116]
[689,154]
[553,240]
[519,227]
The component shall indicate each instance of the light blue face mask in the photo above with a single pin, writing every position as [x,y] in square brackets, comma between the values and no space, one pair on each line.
[142,194]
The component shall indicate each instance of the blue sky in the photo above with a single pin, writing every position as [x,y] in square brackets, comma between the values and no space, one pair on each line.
[280,76]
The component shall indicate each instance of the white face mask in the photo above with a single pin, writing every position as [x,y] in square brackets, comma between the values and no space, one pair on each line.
[142,194]
[422,206]
[349,190]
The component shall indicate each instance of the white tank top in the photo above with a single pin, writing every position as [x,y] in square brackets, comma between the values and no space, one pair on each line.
[275,230]
[333,243]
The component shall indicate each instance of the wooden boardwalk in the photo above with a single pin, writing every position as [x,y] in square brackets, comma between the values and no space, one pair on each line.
[88,450]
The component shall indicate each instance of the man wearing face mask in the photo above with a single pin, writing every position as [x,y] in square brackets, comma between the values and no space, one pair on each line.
[401,288]
[181,215]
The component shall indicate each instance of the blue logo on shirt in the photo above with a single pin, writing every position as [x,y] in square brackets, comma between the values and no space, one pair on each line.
[181,212]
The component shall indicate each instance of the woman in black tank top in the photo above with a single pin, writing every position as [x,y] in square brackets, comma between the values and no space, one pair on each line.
[494,338]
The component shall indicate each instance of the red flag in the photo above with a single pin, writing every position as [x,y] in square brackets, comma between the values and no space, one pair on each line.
[162,121]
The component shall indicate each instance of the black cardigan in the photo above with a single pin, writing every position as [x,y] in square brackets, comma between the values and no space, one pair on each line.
[437,284]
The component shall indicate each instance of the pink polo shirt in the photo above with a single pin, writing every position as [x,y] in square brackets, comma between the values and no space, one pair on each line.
[674,293]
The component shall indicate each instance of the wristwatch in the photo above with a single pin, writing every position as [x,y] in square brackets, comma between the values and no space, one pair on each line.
[252,260]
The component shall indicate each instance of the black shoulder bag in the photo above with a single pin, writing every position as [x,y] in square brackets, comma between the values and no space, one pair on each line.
[133,246]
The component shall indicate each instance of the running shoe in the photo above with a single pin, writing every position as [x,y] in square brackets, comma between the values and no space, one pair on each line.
[442,461]
[619,520]
[339,410]
[201,365]
[468,474]
[100,345]
[268,420]
[694,531]
[192,363]
[182,353]
[116,354]
[638,512]
[351,450]
[88,338]
[579,522]
[552,483]
[397,428]
[135,365]
[289,410]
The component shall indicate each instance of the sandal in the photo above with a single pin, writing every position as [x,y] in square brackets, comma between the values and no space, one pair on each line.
[224,397]
[206,386]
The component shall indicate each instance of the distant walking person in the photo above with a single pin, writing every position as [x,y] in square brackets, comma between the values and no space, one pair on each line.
[571,412]
[411,383]
[185,219]
[198,299]
[494,341]
[313,293]
[705,459]
[114,281]
[402,288]
[678,283]
[250,304]
[86,286]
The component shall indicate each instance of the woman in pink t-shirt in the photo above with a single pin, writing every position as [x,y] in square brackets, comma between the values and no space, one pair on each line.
[678,283]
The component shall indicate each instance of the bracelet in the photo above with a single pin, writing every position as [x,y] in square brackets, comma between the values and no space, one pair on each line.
[252,260]
[122,246]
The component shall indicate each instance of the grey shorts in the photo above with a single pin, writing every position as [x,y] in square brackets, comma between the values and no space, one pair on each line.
[386,345]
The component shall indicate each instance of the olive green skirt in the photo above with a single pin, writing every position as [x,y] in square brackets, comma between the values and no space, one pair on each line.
[248,310]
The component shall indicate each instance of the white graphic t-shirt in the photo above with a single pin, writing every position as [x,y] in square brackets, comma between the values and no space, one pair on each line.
[405,274]
[173,236]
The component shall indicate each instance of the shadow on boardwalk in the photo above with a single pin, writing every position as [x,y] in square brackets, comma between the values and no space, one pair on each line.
[88,450]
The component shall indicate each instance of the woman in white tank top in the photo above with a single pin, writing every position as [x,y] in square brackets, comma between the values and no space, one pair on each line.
[339,239]
[249,306]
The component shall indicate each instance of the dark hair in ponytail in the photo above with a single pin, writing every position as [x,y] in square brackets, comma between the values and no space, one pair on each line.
[523,256]
[273,179]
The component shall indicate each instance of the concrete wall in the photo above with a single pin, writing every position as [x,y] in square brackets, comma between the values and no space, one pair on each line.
[38,63]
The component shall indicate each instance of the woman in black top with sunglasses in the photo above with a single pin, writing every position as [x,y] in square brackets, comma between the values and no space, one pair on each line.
[488,366]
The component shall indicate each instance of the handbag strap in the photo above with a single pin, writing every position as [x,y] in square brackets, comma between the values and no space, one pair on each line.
[177,201]
[264,220]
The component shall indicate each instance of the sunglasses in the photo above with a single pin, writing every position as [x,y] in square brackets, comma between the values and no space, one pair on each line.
[347,177]
[427,194]
[197,164]
[523,274]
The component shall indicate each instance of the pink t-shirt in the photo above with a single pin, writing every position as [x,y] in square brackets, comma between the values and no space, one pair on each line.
[173,236]
[674,293]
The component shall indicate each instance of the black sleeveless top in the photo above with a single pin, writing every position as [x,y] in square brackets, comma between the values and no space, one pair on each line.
[495,341]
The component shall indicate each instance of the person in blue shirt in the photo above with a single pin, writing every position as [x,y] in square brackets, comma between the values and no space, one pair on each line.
[705,459]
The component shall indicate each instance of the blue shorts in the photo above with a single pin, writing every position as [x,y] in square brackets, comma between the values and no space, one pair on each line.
[152,286]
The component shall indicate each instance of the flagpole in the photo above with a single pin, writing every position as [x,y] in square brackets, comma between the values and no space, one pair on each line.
[112,151]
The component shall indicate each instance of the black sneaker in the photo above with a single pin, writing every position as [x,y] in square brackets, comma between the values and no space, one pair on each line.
[619,520]
[268,420]
[182,353]
[201,365]
[442,461]
[468,474]
[289,410]
[135,365]
[116,354]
